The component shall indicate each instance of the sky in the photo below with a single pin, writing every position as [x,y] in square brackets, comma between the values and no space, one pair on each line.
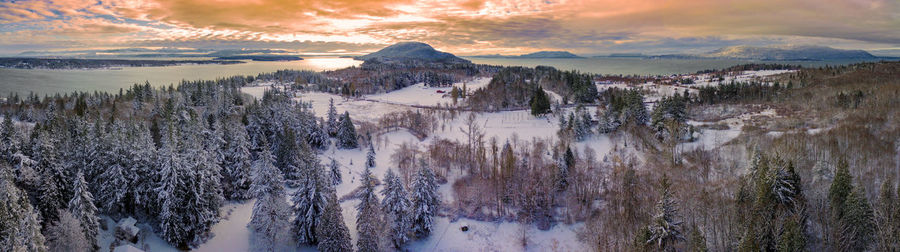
[466,27]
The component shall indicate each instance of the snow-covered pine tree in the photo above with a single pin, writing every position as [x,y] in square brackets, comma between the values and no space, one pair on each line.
[20,229]
[142,152]
[82,208]
[368,219]
[113,182]
[370,156]
[396,206]
[236,176]
[333,233]
[635,110]
[425,202]
[214,141]
[51,195]
[307,161]
[335,172]
[318,136]
[665,229]
[170,183]
[309,201]
[331,125]
[564,168]
[9,141]
[205,179]
[288,156]
[186,210]
[346,134]
[271,211]
[66,234]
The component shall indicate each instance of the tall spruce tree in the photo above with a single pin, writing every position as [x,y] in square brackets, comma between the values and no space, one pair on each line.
[346,135]
[333,234]
[332,124]
[665,228]
[236,179]
[142,151]
[82,208]
[368,219]
[20,229]
[288,155]
[271,212]
[9,141]
[114,181]
[370,156]
[857,222]
[425,202]
[335,172]
[772,198]
[52,195]
[396,206]
[309,202]
[540,102]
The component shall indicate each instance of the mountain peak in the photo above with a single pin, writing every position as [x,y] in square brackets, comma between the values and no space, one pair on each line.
[787,52]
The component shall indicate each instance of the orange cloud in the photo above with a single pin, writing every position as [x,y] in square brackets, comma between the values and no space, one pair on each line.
[468,26]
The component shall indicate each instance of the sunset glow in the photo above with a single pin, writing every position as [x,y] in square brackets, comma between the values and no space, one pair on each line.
[463,27]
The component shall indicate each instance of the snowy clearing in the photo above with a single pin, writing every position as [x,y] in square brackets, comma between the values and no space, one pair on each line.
[232,234]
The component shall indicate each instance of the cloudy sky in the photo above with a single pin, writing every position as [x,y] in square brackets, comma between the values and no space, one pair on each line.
[464,27]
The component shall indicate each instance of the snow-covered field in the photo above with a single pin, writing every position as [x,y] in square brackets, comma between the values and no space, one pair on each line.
[708,80]
[231,234]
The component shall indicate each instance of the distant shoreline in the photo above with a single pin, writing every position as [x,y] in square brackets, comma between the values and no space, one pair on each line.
[97,64]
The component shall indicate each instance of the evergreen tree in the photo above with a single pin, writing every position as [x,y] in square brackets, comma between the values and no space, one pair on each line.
[9,142]
[698,240]
[66,234]
[318,136]
[841,186]
[775,214]
[114,181]
[186,191]
[346,134]
[368,219]
[333,233]
[20,229]
[665,228]
[563,173]
[425,202]
[857,222]
[888,226]
[540,102]
[288,155]
[82,208]
[309,202]
[332,124]
[370,157]
[793,238]
[142,152]
[52,195]
[335,172]
[170,183]
[206,177]
[236,179]
[396,206]
[271,211]
[635,111]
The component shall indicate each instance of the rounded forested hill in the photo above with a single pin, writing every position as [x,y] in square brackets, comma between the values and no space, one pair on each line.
[415,51]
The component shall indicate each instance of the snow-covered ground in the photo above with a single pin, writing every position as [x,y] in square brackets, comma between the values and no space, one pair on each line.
[708,80]
[231,234]
[713,138]
[422,95]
